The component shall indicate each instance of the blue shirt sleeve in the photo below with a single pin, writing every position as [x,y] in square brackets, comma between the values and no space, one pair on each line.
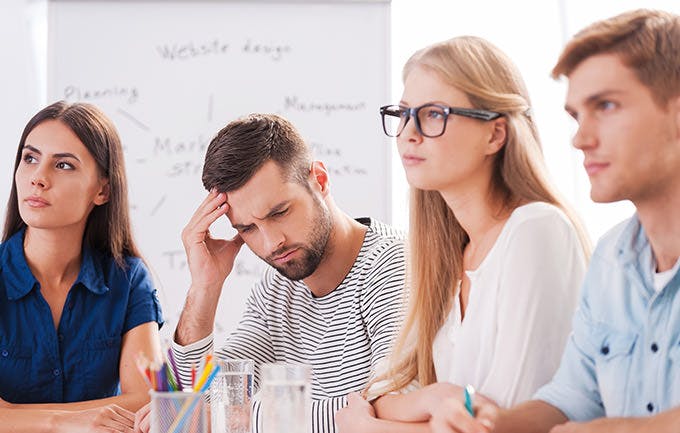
[574,388]
[143,305]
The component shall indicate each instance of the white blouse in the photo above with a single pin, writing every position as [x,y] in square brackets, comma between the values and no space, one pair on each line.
[518,318]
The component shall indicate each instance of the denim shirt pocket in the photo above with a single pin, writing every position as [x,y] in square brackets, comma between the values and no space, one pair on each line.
[613,360]
[15,366]
[101,359]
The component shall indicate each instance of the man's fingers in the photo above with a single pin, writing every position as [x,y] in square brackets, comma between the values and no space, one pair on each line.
[211,203]
[197,228]
[212,210]
[207,203]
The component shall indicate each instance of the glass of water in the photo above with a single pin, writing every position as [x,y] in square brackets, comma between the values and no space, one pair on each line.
[230,396]
[286,401]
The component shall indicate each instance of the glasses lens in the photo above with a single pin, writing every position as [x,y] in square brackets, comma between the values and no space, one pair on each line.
[394,118]
[432,120]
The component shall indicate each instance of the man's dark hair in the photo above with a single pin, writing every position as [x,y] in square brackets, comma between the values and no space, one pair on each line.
[244,145]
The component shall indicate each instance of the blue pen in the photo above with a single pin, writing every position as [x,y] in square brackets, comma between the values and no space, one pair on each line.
[469,393]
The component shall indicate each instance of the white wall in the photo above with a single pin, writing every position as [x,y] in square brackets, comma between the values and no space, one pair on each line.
[532,33]
[19,85]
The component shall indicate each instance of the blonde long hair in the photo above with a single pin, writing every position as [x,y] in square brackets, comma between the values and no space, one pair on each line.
[491,82]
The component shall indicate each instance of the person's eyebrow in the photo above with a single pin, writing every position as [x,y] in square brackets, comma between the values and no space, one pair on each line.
[55,156]
[241,227]
[592,99]
[277,208]
[274,210]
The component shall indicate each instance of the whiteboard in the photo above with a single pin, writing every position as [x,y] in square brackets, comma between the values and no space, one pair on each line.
[170,74]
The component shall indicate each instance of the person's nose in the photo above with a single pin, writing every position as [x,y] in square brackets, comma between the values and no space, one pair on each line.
[586,136]
[40,178]
[273,238]
[410,133]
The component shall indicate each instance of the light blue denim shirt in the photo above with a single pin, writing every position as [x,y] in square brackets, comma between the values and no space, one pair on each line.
[623,356]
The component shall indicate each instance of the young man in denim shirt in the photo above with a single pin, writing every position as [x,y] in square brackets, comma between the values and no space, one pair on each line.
[621,368]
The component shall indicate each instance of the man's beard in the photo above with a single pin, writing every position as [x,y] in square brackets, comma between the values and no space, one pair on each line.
[311,253]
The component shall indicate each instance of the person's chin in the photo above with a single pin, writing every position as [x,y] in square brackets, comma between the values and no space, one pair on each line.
[604,195]
[293,274]
[420,182]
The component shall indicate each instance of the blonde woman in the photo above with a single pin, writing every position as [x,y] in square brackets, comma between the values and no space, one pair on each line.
[496,257]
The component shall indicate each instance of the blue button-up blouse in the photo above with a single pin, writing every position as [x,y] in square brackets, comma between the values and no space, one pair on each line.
[80,359]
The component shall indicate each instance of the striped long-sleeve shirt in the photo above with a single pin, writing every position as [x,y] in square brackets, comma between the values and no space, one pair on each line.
[342,335]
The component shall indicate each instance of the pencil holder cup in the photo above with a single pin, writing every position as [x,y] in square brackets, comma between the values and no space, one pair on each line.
[178,412]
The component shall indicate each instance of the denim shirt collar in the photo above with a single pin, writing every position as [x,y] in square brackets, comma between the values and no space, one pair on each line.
[633,243]
[19,280]
[635,251]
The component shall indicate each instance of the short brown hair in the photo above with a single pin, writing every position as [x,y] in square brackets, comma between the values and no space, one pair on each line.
[244,145]
[647,41]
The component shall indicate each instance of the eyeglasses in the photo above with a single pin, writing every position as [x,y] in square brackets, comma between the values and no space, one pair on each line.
[430,119]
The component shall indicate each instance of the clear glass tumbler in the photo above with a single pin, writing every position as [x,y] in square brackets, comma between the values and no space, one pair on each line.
[230,396]
[286,401]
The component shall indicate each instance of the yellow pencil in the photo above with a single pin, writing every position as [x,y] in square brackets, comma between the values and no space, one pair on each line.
[206,371]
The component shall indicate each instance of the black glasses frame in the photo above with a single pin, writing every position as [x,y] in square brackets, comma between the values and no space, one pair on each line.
[412,112]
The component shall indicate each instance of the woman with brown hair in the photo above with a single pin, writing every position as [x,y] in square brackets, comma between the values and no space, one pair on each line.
[496,256]
[77,303]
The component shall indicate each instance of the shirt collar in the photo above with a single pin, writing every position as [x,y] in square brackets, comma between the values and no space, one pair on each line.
[635,250]
[16,274]
[19,280]
[91,273]
[633,244]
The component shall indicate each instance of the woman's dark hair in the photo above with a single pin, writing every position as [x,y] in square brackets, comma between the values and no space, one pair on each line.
[108,226]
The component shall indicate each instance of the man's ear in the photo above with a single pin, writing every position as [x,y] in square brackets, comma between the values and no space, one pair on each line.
[104,193]
[318,176]
[499,135]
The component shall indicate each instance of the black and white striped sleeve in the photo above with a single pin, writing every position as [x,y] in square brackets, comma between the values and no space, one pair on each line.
[383,299]
[323,414]
[250,340]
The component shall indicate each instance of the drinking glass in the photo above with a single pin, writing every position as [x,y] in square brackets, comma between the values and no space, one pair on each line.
[286,401]
[230,396]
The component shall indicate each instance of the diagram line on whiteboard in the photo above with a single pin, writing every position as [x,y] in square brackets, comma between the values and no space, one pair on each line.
[158,205]
[133,119]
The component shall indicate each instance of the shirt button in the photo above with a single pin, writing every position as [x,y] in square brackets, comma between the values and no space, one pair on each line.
[650,407]
[655,347]
[5,353]
[61,337]
[604,350]
[56,372]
